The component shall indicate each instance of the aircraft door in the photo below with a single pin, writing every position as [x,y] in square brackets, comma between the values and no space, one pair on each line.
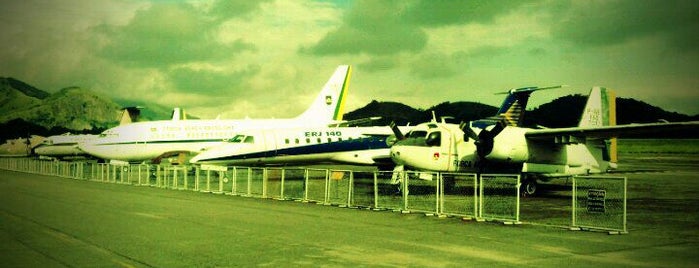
[441,145]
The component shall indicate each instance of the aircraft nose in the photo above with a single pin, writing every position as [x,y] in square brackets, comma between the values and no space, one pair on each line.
[396,154]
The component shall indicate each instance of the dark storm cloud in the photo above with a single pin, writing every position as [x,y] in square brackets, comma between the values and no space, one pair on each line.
[170,33]
[600,23]
[445,12]
[391,27]
[372,27]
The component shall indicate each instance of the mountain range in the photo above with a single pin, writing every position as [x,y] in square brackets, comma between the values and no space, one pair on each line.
[26,110]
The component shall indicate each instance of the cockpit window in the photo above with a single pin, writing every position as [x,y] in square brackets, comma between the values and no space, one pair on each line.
[434,139]
[242,139]
[237,139]
[417,134]
[249,139]
[415,138]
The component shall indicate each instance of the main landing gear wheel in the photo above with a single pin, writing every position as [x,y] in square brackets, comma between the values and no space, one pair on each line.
[528,188]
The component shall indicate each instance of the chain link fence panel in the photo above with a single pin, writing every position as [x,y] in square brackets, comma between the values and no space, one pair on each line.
[599,202]
[499,197]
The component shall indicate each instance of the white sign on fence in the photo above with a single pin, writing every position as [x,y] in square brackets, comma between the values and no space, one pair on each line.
[214,168]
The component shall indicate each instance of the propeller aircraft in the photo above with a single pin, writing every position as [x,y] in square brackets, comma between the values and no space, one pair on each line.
[537,154]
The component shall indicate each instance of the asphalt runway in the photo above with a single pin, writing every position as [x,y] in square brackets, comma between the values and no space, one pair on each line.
[58,222]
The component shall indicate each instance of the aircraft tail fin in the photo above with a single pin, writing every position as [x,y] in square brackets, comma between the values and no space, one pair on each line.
[600,110]
[512,108]
[328,106]
[178,114]
[130,115]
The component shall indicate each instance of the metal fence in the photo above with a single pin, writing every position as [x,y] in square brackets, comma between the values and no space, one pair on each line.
[499,197]
[599,203]
[593,203]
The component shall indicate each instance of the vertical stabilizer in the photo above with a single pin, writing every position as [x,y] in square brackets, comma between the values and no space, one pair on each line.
[600,110]
[513,107]
[328,106]
[129,115]
[178,114]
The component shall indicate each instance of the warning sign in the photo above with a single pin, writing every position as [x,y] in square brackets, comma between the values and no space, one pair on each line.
[596,200]
[337,175]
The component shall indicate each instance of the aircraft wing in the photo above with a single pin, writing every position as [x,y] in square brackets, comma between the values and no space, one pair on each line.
[608,131]
[356,122]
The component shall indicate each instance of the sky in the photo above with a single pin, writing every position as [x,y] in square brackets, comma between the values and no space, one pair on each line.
[270,58]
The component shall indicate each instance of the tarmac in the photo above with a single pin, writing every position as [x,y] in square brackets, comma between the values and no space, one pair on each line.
[58,222]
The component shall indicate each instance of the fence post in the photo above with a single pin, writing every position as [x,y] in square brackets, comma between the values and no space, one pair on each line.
[326,199]
[281,186]
[573,199]
[480,196]
[376,189]
[405,187]
[440,193]
[264,182]
[186,176]
[234,181]
[305,185]
[350,188]
[197,173]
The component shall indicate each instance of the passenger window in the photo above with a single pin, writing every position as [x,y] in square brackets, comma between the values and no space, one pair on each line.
[296,141]
[286,141]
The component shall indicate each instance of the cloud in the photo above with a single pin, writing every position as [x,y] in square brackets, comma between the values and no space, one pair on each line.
[371,27]
[436,66]
[208,81]
[225,9]
[167,34]
[377,64]
[603,23]
[431,13]
[391,27]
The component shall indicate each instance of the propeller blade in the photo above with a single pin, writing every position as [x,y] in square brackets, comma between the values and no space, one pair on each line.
[486,139]
[468,131]
[498,128]
[396,131]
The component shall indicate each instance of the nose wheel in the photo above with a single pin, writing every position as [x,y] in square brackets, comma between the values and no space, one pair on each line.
[528,187]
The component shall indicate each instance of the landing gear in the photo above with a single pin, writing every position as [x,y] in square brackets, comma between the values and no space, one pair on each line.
[528,187]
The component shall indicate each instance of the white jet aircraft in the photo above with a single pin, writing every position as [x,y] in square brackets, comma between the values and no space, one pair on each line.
[66,145]
[535,153]
[347,145]
[143,141]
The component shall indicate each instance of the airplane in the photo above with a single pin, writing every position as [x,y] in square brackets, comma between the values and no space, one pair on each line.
[346,145]
[66,145]
[309,145]
[537,154]
[153,140]
[59,146]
